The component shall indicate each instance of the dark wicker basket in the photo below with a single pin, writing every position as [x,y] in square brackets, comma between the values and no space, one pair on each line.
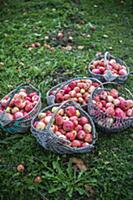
[51,99]
[50,141]
[23,124]
[109,77]
[101,119]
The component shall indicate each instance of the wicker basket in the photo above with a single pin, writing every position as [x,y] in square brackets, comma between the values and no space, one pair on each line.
[109,77]
[23,124]
[51,98]
[101,119]
[50,141]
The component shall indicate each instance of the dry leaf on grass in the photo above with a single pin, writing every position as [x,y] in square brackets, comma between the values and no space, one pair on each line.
[90,189]
[79,164]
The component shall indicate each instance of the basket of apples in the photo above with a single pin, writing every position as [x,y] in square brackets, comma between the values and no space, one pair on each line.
[18,108]
[64,128]
[111,107]
[77,90]
[108,68]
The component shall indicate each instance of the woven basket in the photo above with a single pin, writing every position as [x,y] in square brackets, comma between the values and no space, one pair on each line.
[51,98]
[50,141]
[109,77]
[23,124]
[101,119]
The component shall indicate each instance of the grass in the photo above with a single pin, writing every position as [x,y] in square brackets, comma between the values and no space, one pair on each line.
[109,174]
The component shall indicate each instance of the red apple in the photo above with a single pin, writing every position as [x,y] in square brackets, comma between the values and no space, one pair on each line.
[81,135]
[68,125]
[18,115]
[87,128]
[83,120]
[70,111]
[20,168]
[76,143]
[71,135]
[88,138]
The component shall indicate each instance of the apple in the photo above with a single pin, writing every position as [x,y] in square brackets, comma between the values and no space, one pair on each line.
[20,168]
[76,143]
[83,120]
[68,125]
[70,111]
[37,179]
[18,115]
[88,138]
[87,128]
[81,134]
[58,120]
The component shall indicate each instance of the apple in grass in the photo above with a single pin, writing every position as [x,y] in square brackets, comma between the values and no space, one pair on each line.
[20,168]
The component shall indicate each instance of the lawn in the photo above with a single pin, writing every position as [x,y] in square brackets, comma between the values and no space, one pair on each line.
[109,168]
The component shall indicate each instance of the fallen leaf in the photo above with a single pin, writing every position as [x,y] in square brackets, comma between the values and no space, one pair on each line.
[90,189]
[79,163]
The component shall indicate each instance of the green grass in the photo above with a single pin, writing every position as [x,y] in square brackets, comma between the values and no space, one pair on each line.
[109,174]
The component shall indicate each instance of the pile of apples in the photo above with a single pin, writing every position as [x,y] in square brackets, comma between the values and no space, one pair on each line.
[77,90]
[98,67]
[21,104]
[113,104]
[69,125]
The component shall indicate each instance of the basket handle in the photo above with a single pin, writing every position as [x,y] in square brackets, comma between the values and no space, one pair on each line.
[108,76]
